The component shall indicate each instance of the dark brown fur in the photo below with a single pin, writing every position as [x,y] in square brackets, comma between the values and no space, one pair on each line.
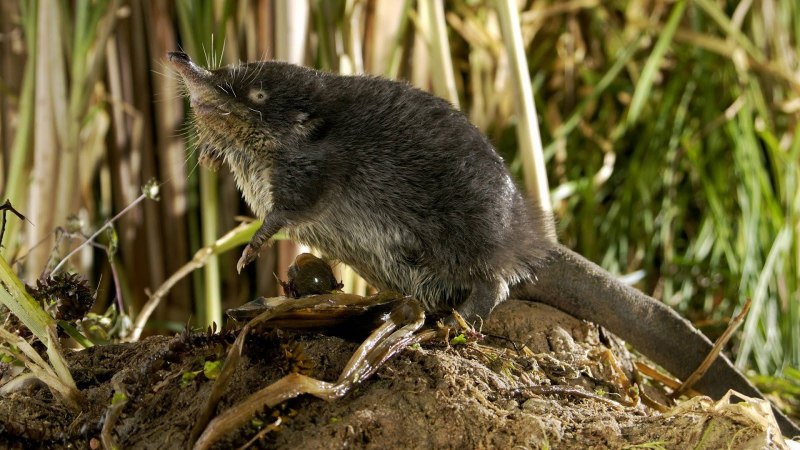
[402,187]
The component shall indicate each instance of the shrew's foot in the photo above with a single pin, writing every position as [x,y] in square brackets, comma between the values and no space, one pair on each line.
[249,254]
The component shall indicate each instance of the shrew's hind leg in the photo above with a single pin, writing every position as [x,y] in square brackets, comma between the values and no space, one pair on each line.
[485,295]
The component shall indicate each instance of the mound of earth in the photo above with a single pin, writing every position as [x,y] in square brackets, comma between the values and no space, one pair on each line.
[544,380]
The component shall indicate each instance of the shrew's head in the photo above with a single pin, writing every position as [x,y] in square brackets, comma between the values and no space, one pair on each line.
[247,109]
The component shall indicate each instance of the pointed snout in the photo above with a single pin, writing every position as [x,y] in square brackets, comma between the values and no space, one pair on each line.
[191,72]
[174,56]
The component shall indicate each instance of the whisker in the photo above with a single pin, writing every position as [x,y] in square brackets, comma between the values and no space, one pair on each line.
[203,47]
[222,52]
[260,116]
[191,171]
[257,72]
[236,68]
[213,53]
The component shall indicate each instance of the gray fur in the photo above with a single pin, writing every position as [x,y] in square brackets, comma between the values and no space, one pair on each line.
[402,187]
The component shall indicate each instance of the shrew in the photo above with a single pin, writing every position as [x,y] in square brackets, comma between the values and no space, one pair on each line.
[399,185]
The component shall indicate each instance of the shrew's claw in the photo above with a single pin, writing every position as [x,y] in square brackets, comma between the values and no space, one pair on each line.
[248,255]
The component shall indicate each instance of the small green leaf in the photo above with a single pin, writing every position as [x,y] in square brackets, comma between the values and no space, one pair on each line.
[212,369]
[188,377]
[459,340]
[119,397]
[113,240]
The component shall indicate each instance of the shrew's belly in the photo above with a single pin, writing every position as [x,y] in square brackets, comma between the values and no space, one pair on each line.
[388,259]
[369,254]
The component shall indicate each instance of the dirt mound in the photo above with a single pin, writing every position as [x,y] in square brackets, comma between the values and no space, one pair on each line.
[569,389]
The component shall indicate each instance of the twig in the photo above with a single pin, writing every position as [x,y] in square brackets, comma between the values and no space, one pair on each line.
[234,355]
[118,402]
[666,380]
[115,278]
[714,353]
[6,207]
[149,190]
[199,260]
[398,332]
[565,391]
[97,233]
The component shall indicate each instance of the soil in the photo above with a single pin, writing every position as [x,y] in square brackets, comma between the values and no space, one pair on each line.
[571,388]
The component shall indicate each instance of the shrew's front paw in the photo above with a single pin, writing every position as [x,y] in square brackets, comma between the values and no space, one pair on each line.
[249,254]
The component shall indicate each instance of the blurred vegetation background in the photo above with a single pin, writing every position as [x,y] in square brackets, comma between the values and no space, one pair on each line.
[670,131]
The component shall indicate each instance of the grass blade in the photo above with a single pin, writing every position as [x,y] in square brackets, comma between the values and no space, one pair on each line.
[645,84]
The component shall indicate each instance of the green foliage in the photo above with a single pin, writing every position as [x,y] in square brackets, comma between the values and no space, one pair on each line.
[188,377]
[677,155]
[212,369]
[118,397]
[458,340]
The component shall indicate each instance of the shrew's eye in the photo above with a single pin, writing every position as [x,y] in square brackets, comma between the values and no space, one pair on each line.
[257,96]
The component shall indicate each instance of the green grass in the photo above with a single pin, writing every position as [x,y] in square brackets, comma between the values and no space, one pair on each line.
[702,195]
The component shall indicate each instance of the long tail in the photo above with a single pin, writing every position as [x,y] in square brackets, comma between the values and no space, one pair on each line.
[577,286]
